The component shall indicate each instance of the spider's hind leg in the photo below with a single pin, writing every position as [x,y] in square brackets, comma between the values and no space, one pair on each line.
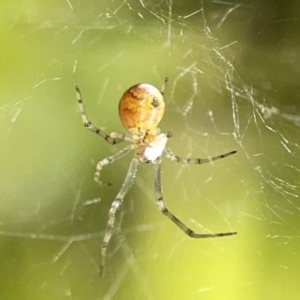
[89,125]
[109,160]
[198,161]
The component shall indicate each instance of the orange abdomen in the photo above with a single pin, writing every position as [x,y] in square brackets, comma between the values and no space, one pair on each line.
[141,106]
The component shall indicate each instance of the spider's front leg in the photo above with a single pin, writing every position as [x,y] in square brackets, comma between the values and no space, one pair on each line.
[171,216]
[113,209]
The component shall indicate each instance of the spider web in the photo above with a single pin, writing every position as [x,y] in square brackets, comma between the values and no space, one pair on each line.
[233,75]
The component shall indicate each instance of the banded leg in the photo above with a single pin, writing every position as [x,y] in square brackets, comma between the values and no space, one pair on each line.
[164,86]
[166,212]
[171,156]
[113,209]
[118,137]
[109,160]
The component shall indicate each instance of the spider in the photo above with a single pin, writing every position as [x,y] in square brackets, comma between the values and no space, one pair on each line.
[141,108]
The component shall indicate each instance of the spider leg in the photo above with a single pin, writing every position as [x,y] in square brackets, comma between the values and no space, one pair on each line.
[124,137]
[164,85]
[109,160]
[118,137]
[171,156]
[166,212]
[113,209]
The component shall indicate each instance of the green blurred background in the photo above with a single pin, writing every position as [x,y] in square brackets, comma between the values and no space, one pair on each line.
[234,85]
